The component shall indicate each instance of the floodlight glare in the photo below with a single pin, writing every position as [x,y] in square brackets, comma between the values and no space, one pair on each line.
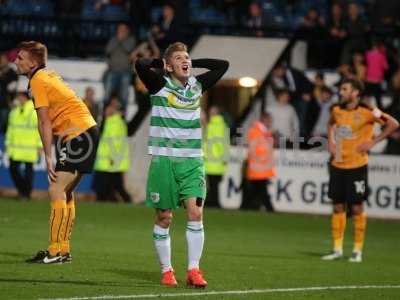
[247,82]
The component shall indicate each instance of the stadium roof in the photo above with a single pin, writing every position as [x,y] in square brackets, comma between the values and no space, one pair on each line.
[248,56]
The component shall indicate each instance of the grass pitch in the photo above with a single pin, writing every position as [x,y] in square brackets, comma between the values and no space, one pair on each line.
[113,255]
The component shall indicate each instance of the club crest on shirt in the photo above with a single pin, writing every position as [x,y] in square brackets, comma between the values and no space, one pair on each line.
[344,131]
[155,197]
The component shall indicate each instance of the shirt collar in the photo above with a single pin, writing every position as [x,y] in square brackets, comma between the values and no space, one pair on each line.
[33,74]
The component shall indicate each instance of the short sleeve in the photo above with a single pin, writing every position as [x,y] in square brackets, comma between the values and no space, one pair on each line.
[332,114]
[39,93]
[378,116]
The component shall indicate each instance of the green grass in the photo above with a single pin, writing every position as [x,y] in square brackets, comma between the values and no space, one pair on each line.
[113,255]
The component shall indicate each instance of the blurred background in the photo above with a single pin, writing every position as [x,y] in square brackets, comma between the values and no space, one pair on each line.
[287,58]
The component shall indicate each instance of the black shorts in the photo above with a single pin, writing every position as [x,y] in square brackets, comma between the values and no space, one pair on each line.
[78,153]
[348,185]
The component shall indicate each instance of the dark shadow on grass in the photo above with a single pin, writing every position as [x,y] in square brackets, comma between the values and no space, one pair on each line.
[253,256]
[21,258]
[13,254]
[150,277]
[10,262]
[312,253]
[247,255]
[71,282]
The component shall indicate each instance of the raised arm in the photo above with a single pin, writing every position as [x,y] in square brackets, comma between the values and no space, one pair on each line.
[153,81]
[216,67]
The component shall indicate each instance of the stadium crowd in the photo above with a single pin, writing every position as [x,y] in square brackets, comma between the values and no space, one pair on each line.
[342,36]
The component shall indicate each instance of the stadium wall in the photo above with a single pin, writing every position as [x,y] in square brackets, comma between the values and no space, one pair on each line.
[40,181]
[301,185]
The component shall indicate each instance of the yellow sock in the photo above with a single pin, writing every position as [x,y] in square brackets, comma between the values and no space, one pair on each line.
[56,225]
[360,224]
[338,227]
[65,244]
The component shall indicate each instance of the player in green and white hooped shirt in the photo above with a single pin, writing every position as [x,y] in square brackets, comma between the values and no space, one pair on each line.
[176,174]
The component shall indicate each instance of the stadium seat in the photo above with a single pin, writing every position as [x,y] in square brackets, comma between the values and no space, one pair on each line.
[114,13]
[88,11]
[17,7]
[156,13]
[42,8]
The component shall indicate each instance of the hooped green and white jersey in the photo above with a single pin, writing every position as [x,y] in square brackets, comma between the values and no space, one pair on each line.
[175,128]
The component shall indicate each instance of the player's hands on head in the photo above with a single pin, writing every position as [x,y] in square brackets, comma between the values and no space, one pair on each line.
[164,65]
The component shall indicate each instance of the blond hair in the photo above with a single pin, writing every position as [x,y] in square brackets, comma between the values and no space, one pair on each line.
[178,46]
[36,50]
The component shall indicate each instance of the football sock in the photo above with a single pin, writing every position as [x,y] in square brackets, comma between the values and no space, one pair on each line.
[65,244]
[338,228]
[360,224]
[195,242]
[162,242]
[57,221]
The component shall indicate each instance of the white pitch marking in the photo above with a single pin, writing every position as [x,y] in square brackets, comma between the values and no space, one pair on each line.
[239,292]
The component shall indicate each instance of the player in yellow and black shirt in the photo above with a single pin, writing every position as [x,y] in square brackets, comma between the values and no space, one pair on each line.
[350,137]
[63,115]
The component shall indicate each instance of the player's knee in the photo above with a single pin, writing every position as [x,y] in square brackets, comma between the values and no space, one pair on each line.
[195,215]
[338,208]
[164,219]
[55,190]
[69,195]
[357,210]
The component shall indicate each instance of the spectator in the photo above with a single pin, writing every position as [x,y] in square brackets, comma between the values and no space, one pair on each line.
[376,66]
[345,72]
[8,83]
[393,142]
[216,149]
[287,124]
[23,144]
[112,158]
[302,106]
[319,83]
[232,9]
[167,30]
[91,103]
[118,76]
[255,20]
[312,19]
[356,30]
[312,26]
[147,49]
[99,4]
[359,66]
[139,12]
[336,36]
[395,91]
[321,114]
[260,164]
[298,85]
[150,50]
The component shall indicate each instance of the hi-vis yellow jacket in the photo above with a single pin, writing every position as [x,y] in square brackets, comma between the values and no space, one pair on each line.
[22,136]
